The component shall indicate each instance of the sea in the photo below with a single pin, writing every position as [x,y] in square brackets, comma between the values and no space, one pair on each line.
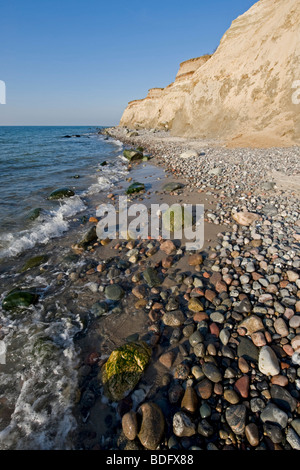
[39,359]
[34,161]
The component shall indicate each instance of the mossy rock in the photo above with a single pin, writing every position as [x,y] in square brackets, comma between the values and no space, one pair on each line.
[34,262]
[124,368]
[61,193]
[19,299]
[133,155]
[135,188]
[151,277]
[172,186]
[34,213]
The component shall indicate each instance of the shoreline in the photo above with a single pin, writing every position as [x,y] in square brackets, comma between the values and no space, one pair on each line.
[239,296]
[239,300]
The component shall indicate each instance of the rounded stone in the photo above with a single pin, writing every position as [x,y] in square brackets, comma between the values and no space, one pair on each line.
[130,425]
[268,363]
[152,426]
[173,318]
[113,292]
[190,400]
[252,434]
[236,418]
[212,372]
[271,413]
[183,425]
[204,389]
[231,396]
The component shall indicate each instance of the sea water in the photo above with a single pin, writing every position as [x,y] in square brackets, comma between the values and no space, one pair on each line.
[34,161]
[39,376]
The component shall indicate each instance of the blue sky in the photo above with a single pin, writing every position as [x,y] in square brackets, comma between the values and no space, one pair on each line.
[79,62]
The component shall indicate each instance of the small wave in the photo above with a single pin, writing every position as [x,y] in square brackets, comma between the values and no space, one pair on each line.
[110,175]
[53,225]
[42,418]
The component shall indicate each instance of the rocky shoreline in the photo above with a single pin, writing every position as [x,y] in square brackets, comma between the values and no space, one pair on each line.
[223,324]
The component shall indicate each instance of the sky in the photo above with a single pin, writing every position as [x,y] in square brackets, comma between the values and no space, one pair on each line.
[80,62]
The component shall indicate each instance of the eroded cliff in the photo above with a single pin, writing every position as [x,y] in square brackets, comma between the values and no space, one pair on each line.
[243,93]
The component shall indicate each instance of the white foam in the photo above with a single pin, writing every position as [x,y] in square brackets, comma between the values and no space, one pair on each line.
[54,224]
[42,418]
[109,175]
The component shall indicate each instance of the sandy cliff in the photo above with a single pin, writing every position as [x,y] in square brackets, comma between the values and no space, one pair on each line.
[242,94]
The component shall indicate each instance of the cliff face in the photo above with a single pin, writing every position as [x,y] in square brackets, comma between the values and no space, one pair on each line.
[242,94]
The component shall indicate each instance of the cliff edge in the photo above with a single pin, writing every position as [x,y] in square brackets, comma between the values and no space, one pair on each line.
[245,94]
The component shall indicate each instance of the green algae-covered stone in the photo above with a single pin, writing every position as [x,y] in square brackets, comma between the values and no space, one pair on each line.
[34,262]
[135,188]
[19,299]
[124,368]
[132,155]
[172,186]
[61,193]
[34,213]
[151,277]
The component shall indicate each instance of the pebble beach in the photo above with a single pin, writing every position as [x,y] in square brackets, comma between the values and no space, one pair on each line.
[170,349]
[221,326]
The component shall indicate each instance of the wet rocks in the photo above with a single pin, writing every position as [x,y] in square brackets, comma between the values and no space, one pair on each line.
[114,292]
[234,367]
[19,299]
[236,418]
[152,426]
[61,193]
[124,368]
[133,155]
[34,213]
[183,426]
[151,277]
[135,188]
[130,425]
[212,372]
[173,318]
[195,259]
[190,400]
[34,262]
[168,247]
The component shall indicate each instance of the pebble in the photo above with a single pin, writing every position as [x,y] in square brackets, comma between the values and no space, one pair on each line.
[212,372]
[173,318]
[183,425]
[114,292]
[274,414]
[190,400]
[234,320]
[130,425]
[252,434]
[152,426]
[293,439]
[268,363]
[236,418]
